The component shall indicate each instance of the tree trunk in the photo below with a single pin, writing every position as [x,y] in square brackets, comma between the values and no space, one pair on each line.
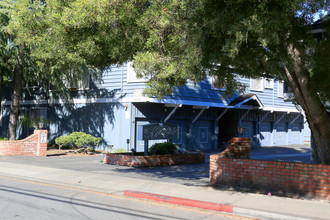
[15,102]
[316,114]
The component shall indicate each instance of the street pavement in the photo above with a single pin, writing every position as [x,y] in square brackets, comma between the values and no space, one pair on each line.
[184,181]
[29,200]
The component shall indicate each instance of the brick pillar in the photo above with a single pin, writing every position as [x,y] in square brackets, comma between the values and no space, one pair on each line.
[242,146]
[42,142]
[239,147]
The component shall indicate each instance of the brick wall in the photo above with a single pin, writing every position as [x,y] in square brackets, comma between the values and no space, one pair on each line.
[239,147]
[156,160]
[284,177]
[33,145]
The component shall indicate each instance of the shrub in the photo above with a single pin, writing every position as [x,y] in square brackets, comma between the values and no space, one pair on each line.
[3,139]
[163,148]
[78,139]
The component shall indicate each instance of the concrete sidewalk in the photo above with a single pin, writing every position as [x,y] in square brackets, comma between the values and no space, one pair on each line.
[247,204]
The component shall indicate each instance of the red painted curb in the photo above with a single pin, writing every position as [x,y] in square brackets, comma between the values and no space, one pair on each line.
[180,201]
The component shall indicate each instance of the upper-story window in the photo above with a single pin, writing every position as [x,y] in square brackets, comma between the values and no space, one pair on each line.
[79,84]
[131,74]
[269,83]
[280,88]
[257,84]
[216,84]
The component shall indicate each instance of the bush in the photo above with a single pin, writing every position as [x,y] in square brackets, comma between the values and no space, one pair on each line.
[163,148]
[78,139]
[3,139]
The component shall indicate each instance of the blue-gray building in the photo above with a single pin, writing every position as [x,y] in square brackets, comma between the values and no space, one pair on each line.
[115,109]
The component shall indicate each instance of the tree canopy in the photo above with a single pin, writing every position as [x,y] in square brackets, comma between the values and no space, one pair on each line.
[172,41]
[18,64]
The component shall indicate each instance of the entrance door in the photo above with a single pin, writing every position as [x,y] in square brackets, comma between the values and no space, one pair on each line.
[202,135]
[139,143]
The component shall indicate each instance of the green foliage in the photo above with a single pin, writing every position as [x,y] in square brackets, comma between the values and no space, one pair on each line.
[17,56]
[170,42]
[119,150]
[78,139]
[163,148]
[3,139]
[175,41]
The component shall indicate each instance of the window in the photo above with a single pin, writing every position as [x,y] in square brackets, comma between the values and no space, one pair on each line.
[216,85]
[38,112]
[269,83]
[280,88]
[80,84]
[131,74]
[256,84]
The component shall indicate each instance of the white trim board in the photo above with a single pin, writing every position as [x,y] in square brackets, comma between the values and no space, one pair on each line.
[280,109]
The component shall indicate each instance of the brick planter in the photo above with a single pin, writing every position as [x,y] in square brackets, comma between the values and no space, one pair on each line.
[123,159]
[33,145]
[283,177]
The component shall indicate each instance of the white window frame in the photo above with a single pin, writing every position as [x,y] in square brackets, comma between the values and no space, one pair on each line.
[280,83]
[40,109]
[261,84]
[79,85]
[270,85]
[131,74]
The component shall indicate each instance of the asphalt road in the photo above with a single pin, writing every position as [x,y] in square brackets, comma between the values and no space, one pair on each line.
[21,199]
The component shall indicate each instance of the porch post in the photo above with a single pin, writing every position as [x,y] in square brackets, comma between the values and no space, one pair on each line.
[145,147]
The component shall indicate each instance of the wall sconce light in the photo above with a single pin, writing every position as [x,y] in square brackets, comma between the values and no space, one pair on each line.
[126,107]
[127,142]
[241,131]
[41,125]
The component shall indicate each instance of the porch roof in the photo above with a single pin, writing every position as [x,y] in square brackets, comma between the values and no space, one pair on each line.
[246,101]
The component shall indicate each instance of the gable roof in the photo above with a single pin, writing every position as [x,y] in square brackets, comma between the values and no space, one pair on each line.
[248,99]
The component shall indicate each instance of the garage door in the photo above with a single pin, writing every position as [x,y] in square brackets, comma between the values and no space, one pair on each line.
[281,134]
[295,136]
[265,134]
